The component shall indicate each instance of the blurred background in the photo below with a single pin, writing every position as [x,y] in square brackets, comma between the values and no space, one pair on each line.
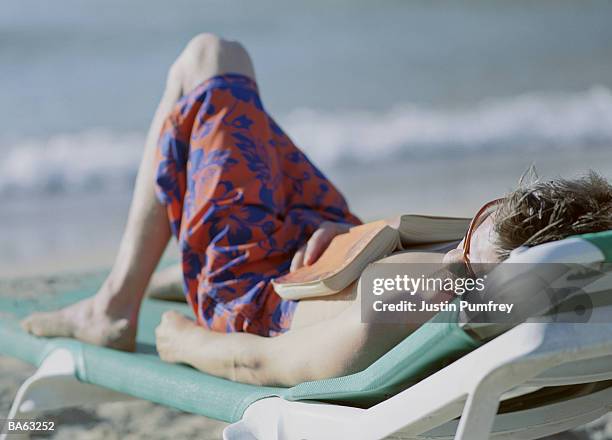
[413,107]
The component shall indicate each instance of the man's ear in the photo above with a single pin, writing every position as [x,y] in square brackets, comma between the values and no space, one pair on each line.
[454,256]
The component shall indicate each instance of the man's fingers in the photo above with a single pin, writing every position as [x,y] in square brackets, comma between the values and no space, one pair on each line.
[298,259]
[317,244]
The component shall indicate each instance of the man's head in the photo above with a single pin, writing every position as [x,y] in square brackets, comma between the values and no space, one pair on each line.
[552,210]
[541,212]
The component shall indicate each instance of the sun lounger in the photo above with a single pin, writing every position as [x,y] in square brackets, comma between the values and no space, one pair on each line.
[561,371]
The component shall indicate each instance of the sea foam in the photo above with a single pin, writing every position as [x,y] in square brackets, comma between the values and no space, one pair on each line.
[103,160]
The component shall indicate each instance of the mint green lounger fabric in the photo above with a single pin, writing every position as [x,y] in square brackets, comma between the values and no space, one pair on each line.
[603,240]
[144,375]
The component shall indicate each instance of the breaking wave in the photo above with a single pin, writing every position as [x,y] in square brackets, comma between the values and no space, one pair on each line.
[100,159]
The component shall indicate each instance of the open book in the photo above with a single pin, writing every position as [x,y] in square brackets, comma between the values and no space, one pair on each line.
[348,254]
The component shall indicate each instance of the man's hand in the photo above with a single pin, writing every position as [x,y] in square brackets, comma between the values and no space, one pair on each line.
[316,245]
[170,336]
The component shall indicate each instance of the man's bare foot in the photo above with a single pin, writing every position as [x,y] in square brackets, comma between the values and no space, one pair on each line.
[89,320]
[175,327]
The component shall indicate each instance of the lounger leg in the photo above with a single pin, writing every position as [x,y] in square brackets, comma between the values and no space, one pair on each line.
[238,431]
[478,414]
[55,386]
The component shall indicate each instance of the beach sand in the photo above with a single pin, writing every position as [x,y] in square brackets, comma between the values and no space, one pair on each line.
[140,419]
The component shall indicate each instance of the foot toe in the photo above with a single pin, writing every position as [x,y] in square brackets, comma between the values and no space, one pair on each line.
[47,324]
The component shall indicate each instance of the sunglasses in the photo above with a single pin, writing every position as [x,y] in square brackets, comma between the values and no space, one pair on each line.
[479,218]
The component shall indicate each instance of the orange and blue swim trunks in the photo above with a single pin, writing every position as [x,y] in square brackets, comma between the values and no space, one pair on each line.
[241,199]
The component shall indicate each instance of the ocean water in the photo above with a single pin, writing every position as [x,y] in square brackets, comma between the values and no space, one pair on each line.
[408,106]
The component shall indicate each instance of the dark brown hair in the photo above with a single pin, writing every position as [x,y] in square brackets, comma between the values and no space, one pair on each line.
[540,212]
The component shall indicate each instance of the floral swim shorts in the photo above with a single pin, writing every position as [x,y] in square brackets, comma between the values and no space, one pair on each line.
[241,199]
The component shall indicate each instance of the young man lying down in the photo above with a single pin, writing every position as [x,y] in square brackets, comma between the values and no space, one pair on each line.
[246,206]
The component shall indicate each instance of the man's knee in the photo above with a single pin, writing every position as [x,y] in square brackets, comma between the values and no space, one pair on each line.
[207,55]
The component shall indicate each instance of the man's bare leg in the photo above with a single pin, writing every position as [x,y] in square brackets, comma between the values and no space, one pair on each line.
[327,338]
[110,317]
[167,284]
